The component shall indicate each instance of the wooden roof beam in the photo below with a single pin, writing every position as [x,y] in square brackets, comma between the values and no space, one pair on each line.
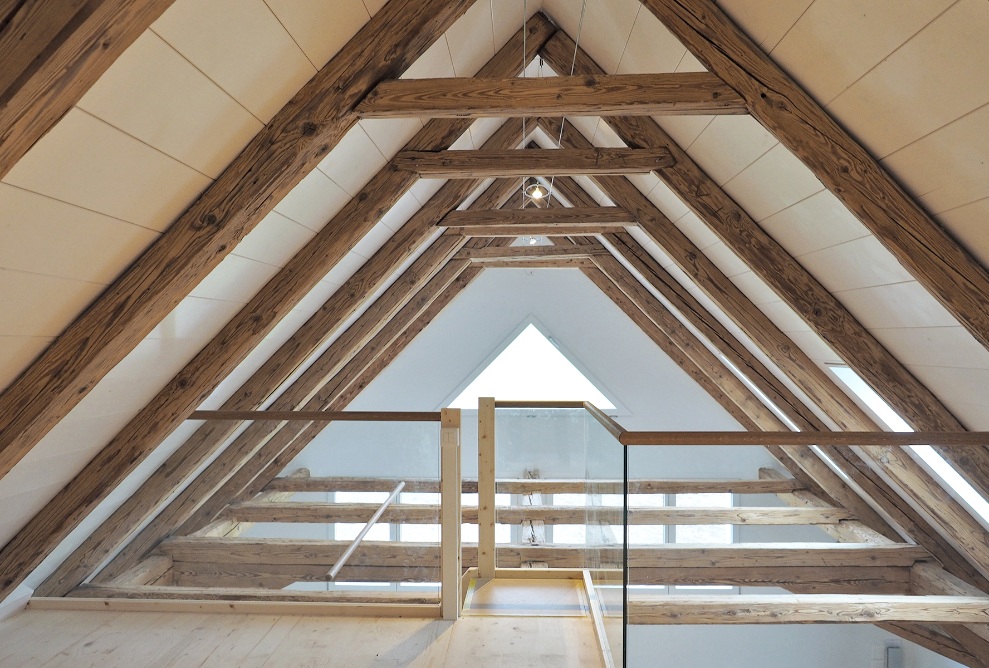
[790,359]
[526,162]
[630,94]
[949,272]
[806,609]
[279,156]
[237,338]
[537,222]
[52,52]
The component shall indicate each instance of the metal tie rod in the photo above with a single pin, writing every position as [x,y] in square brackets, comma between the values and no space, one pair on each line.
[367,527]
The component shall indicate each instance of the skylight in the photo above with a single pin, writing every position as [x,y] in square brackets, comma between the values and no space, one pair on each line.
[948,476]
[531,367]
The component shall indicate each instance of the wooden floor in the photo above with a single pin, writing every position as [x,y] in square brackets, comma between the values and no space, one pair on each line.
[148,639]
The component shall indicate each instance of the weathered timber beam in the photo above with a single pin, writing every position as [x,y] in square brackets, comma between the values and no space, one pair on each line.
[429,514]
[841,439]
[52,53]
[716,208]
[252,594]
[149,571]
[325,553]
[646,94]
[535,229]
[536,263]
[844,532]
[541,485]
[843,165]
[934,638]
[805,579]
[592,217]
[319,416]
[823,313]
[274,162]
[555,162]
[806,609]
[279,157]
[513,253]
[233,529]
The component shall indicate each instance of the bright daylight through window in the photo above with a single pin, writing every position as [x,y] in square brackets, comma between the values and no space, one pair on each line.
[531,367]
[942,469]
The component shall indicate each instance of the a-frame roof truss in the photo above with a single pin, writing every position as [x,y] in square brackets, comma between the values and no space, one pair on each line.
[906,394]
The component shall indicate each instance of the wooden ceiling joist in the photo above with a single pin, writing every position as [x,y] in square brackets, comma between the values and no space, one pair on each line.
[961,527]
[917,241]
[593,218]
[540,485]
[806,609]
[49,60]
[600,95]
[232,344]
[506,164]
[513,253]
[273,163]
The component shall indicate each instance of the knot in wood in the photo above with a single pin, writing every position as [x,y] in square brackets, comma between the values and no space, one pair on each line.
[308,129]
[209,219]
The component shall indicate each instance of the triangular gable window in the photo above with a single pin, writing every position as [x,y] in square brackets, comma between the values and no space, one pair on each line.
[531,368]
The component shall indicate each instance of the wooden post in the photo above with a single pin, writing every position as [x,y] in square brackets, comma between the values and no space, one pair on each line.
[450,566]
[486,487]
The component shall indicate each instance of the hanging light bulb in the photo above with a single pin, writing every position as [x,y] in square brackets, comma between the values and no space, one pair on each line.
[535,190]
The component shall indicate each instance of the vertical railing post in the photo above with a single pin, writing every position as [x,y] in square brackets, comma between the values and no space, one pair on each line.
[450,513]
[486,487]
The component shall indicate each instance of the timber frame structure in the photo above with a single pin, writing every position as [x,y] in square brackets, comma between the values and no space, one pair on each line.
[188,501]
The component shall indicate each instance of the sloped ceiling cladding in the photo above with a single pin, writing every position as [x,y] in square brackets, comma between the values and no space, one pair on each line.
[165,122]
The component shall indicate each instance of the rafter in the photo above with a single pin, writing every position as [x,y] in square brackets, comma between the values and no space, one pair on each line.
[235,340]
[914,238]
[272,164]
[504,164]
[49,60]
[647,94]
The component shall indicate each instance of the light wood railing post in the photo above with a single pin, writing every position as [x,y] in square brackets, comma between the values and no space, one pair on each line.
[450,489]
[486,487]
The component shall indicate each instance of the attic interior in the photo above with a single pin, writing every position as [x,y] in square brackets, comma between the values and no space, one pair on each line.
[760,240]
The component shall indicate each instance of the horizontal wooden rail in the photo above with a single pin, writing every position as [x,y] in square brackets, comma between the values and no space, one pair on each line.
[538,404]
[605,420]
[542,485]
[319,416]
[806,609]
[608,94]
[527,162]
[253,594]
[832,438]
[295,512]
[571,216]
[313,552]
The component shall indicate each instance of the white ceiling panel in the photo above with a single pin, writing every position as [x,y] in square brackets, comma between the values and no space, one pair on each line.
[934,346]
[40,305]
[18,352]
[259,63]
[86,162]
[729,144]
[820,221]
[320,28]
[899,305]
[773,182]
[353,161]
[765,22]
[968,225]
[45,236]
[855,264]
[179,111]
[651,47]
[313,201]
[274,241]
[936,77]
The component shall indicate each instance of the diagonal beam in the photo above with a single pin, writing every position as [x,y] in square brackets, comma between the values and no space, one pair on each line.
[239,336]
[287,149]
[681,93]
[52,52]
[791,360]
[917,241]
[260,438]
[504,164]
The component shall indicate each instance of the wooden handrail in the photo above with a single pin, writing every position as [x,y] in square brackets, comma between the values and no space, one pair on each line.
[319,416]
[842,439]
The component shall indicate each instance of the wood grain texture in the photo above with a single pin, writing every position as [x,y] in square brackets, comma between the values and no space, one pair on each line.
[272,164]
[800,609]
[512,253]
[324,553]
[429,514]
[52,53]
[917,241]
[319,416]
[541,485]
[842,439]
[646,94]
[252,594]
[577,216]
[287,149]
[528,162]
